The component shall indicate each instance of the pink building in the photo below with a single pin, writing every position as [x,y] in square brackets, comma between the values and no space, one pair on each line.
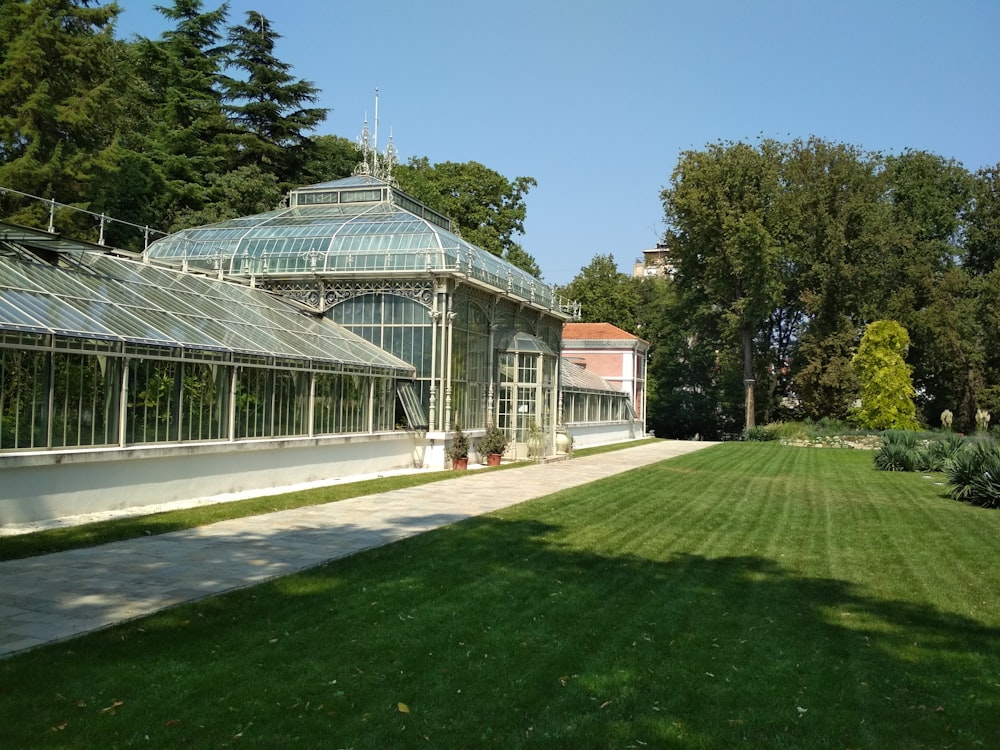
[613,354]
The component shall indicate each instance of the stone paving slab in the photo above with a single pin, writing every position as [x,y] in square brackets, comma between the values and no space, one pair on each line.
[53,597]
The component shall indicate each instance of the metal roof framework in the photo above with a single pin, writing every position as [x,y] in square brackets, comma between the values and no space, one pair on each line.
[356,227]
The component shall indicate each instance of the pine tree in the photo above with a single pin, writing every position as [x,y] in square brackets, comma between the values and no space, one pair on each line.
[182,72]
[268,105]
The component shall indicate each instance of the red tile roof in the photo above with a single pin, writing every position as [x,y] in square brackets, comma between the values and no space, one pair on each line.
[595,332]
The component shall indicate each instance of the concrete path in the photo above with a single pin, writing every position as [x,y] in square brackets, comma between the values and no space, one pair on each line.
[53,597]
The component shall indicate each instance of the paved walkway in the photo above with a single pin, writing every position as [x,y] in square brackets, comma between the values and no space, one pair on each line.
[53,597]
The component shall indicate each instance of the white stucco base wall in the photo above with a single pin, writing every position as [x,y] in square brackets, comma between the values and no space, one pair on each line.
[40,486]
[589,434]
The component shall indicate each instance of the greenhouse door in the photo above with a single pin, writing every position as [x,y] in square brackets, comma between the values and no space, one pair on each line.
[525,398]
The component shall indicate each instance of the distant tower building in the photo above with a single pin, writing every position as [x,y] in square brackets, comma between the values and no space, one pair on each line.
[655,262]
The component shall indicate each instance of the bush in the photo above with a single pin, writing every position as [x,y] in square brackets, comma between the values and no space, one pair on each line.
[459,445]
[760,434]
[974,474]
[493,442]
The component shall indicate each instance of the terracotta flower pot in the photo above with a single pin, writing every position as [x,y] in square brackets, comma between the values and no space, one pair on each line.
[493,459]
[460,464]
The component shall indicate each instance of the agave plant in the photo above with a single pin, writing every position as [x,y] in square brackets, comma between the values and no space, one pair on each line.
[974,475]
[896,457]
[898,452]
[940,452]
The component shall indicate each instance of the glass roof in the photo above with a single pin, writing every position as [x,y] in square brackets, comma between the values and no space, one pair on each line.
[355,226]
[526,343]
[96,296]
[573,377]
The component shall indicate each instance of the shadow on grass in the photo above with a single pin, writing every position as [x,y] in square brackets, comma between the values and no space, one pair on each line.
[500,632]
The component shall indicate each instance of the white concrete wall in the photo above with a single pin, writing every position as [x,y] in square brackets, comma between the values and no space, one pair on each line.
[587,434]
[43,486]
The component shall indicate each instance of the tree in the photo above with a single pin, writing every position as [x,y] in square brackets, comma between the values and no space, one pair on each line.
[982,242]
[696,388]
[58,103]
[833,267]
[182,73]
[330,158]
[720,209]
[242,192]
[487,208]
[929,197]
[605,294]
[268,105]
[886,387]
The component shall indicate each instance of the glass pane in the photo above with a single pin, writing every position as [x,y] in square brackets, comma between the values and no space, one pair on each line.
[24,398]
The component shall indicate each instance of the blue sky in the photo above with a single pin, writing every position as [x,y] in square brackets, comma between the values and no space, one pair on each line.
[596,99]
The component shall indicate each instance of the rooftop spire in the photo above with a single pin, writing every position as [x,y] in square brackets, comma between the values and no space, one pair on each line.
[372,163]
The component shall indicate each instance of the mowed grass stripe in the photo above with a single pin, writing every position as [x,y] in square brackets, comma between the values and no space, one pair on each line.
[731,597]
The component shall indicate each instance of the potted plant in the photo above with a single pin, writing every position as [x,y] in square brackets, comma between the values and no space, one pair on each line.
[459,450]
[493,444]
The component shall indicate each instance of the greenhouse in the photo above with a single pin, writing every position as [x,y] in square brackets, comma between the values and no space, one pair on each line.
[349,332]
[119,357]
[100,351]
[482,335]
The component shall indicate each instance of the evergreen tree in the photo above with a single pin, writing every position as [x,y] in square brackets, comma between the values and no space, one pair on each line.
[886,387]
[268,105]
[58,105]
[182,71]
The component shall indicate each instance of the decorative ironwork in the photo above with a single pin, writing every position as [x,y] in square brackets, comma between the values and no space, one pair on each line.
[322,295]
[372,163]
[418,291]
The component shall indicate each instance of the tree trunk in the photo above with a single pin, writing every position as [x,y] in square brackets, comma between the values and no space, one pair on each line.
[748,378]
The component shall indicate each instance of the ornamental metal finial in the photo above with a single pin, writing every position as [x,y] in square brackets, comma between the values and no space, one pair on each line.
[373,164]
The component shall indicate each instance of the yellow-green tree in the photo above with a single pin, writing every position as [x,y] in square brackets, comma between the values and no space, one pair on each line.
[886,385]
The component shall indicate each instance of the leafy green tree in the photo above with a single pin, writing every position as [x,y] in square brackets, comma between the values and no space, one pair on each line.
[268,104]
[721,211]
[695,377]
[886,387]
[833,266]
[242,192]
[330,158]
[982,240]
[605,294]
[487,208]
[58,104]
[657,297]
[929,197]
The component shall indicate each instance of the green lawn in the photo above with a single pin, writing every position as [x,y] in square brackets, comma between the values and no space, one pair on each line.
[748,595]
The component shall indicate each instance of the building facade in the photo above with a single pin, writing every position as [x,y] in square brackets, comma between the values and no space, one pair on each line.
[618,357]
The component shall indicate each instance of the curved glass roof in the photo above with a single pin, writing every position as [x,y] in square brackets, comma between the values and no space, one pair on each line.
[95,296]
[355,226]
